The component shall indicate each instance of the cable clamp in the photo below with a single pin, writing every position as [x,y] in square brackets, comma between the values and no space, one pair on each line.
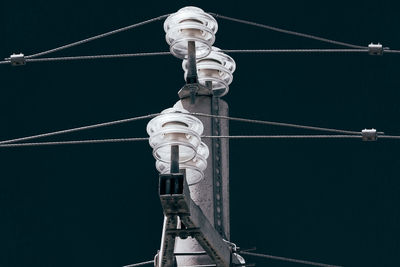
[17,59]
[375,49]
[369,135]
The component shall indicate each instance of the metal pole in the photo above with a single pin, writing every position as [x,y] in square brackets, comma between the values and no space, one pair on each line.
[212,193]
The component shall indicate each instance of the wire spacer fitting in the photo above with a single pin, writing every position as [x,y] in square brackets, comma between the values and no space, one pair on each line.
[375,49]
[369,135]
[17,59]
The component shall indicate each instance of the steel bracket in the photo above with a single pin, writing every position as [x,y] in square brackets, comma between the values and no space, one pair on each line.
[369,135]
[375,49]
[17,59]
[217,168]
[178,203]
[193,88]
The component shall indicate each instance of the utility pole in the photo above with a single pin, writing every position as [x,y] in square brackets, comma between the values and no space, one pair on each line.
[196,229]
[212,193]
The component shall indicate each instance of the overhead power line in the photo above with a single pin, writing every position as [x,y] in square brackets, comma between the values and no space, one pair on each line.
[137,139]
[306,51]
[284,137]
[78,129]
[282,124]
[98,57]
[287,259]
[166,53]
[392,51]
[98,36]
[237,51]
[140,264]
[309,36]
[77,142]
[358,134]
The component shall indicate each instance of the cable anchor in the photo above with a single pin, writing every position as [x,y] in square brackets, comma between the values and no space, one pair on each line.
[375,49]
[17,59]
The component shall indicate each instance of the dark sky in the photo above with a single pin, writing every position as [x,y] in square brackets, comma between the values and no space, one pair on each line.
[334,201]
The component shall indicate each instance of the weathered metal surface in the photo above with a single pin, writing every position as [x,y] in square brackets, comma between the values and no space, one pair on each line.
[217,169]
[166,254]
[194,223]
[200,90]
[203,192]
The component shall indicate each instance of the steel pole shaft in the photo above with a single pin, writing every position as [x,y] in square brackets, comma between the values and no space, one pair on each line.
[212,193]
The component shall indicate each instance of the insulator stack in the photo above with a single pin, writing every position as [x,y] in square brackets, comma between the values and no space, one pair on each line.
[194,168]
[175,127]
[216,68]
[190,24]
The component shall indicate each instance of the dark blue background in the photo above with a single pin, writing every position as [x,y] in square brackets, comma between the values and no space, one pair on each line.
[334,201]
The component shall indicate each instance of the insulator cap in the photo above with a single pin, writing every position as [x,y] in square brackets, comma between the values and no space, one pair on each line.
[174,127]
[217,68]
[190,24]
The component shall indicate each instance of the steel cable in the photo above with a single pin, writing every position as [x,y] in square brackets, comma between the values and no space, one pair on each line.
[165,53]
[287,259]
[283,137]
[140,264]
[277,51]
[78,142]
[279,124]
[98,36]
[391,51]
[98,57]
[78,129]
[309,36]
[264,122]
[136,139]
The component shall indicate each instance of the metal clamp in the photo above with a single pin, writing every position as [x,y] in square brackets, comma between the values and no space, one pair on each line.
[17,59]
[369,135]
[375,49]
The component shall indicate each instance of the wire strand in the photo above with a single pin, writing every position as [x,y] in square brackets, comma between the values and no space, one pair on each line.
[165,53]
[309,36]
[98,57]
[287,259]
[356,134]
[78,129]
[283,137]
[278,124]
[136,139]
[278,51]
[242,51]
[98,36]
[139,264]
[78,142]
[391,51]
[389,137]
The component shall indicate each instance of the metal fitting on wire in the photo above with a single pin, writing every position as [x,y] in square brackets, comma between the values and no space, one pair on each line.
[17,59]
[375,49]
[369,135]
[190,24]
[216,68]
[175,127]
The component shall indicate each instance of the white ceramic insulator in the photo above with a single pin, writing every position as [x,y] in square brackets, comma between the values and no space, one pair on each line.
[174,127]
[216,68]
[190,24]
[194,168]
